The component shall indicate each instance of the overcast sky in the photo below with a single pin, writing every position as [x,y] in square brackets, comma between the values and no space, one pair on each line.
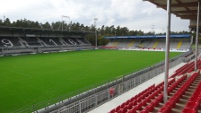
[134,14]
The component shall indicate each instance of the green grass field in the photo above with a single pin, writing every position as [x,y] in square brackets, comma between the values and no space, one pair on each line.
[28,80]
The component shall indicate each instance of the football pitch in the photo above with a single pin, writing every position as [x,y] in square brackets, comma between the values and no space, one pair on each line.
[28,80]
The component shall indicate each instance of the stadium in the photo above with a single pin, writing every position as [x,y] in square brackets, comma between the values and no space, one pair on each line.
[60,71]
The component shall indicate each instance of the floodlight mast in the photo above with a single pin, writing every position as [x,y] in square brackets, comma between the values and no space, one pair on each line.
[4,18]
[63,16]
[95,20]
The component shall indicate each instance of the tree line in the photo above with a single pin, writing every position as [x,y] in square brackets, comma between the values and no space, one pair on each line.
[101,31]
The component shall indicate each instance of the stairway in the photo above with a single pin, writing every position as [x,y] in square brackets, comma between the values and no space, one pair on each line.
[179,44]
[130,44]
[155,44]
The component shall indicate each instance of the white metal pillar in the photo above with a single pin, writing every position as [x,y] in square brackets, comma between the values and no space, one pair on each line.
[69,24]
[197,35]
[167,50]
[62,24]
[63,16]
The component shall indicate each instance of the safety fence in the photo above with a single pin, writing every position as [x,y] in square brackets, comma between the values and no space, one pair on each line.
[93,98]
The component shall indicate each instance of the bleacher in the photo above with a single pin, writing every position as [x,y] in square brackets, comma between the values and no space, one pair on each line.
[85,42]
[12,45]
[31,42]
[13,42]
[9,42]
[177,42]
[184,95]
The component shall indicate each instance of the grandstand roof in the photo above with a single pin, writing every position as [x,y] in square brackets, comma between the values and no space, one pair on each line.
[185,9]
[35,31]
[149,36]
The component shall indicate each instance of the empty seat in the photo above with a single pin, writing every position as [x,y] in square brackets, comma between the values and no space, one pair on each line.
[164,109]
[193,105]
[112,111]
[188,110]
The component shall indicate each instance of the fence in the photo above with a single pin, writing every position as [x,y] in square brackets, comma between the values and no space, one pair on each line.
[95,97]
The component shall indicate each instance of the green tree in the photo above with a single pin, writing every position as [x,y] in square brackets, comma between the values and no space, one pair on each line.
[1,22]
[7,22]
[46,25]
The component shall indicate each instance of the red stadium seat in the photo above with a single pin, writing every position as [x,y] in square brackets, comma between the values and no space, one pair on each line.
[195,98]
[117,108]
[151,107]
[144,111]
[188,110]
[112,111]
[163,110]
[134,109]
[135,102]
[124,109]
[127,102]
[193,105]
[130,105]
[130,111]
[123,105]
[120,111]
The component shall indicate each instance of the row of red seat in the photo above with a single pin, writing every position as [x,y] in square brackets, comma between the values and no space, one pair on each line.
[123,108]
[187,68]
[150,98]
[171,85]
[193,67]
[175,84]
[150,101]
[184,69]
[171,103]
[194,102]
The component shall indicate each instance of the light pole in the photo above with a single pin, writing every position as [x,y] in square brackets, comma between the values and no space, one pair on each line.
[4,18]
[95,20]
[153,29]
[63,16]
[41,26]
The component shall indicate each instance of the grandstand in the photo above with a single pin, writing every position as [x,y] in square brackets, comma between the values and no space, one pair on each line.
[15,40]
[183,91]
[155,42]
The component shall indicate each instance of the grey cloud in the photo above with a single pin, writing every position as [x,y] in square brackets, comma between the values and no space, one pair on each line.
[134,14]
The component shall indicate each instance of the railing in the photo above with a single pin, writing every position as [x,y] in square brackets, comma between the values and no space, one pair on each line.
[91,99]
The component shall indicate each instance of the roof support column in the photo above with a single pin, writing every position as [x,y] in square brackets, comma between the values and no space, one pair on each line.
[167,49]
[197,35]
